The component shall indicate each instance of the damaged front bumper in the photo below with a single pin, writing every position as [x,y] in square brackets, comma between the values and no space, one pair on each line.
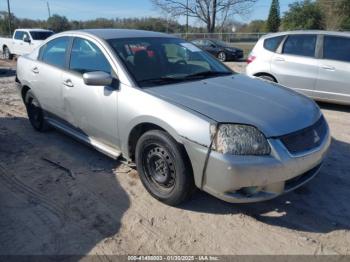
[245,179]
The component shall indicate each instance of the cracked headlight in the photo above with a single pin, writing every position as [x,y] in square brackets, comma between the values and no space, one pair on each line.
[240,140]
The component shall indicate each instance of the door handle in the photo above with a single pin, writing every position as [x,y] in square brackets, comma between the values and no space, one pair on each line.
[327,67]
[279,59]
[68,83]
[35,70]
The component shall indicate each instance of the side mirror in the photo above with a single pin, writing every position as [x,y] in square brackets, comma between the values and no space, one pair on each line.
[212,45]
[97,78]
[26,39]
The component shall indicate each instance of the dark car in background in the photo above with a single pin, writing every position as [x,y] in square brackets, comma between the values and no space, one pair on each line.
[219,49]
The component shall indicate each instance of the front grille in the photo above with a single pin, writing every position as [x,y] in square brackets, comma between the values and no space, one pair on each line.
[306,139]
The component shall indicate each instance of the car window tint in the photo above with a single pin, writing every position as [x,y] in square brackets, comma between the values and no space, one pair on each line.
[54,52]
[19,35]
[273,42]
[156,58]
[302,45]
[87,57]
[336,48]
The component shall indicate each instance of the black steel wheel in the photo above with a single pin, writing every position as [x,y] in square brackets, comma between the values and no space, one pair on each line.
[164,167]
[35,113]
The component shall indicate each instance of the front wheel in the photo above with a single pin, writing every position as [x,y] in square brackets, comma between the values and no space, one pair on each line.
[164,167]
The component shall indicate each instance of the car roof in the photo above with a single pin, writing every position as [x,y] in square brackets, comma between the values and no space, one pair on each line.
[34,29]
[119,33]
[306,32]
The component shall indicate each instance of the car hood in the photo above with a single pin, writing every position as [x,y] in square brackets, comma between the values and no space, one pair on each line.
[273,109]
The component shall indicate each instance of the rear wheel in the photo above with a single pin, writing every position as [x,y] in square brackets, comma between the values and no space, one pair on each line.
[35,113]
[164,168]
[222,56]
[7,53]
[268,78]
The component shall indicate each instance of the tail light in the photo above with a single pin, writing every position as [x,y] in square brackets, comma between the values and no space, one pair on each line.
[250,59]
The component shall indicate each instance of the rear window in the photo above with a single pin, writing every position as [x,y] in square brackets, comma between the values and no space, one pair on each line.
[336,48]
[54,52]
[272,43]
[40,35]
[301,45]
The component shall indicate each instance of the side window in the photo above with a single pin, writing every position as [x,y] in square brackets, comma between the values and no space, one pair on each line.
[336,48]
[272,43]
[54,52]
[87,57]
[19,35]
[301,45]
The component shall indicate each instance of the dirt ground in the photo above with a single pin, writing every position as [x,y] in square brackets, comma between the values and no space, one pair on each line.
[58,196]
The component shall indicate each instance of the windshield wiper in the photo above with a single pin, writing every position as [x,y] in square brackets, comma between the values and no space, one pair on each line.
[161,80]
[208,73]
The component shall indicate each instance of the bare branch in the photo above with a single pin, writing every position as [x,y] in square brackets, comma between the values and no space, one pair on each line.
[208,11]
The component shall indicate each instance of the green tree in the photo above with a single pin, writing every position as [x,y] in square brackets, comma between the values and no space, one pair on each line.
[274,19]
[255,26]
[58,23]
[303,15]
[336,14]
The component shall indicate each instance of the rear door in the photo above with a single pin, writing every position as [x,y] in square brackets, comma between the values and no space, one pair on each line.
[295,65]
[47,71]
[334,69]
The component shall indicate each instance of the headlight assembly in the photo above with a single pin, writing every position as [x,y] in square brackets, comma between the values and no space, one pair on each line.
[240,140]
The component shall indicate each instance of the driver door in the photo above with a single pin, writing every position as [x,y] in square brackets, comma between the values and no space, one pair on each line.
[25,44]
[90,109]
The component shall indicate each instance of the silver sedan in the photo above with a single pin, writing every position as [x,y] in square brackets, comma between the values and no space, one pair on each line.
[183,117]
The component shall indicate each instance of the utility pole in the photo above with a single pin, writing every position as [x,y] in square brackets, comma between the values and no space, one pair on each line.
[9,18]
[187,19]
[48,8]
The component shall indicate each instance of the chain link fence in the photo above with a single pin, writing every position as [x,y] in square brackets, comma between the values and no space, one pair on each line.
[226,37]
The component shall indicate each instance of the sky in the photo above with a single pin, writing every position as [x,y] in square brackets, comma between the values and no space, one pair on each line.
[90,9]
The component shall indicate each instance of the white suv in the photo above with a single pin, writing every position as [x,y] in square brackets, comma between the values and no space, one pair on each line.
[315,63]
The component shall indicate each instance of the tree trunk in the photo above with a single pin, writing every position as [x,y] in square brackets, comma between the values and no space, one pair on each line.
[213,19]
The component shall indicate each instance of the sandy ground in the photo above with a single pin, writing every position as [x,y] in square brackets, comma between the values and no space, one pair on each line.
[95,205]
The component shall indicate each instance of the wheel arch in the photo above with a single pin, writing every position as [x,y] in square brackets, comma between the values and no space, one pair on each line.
[266,74]
[138,129]
[24,91]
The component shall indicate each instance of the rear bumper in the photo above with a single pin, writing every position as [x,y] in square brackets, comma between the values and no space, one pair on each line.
[245,179]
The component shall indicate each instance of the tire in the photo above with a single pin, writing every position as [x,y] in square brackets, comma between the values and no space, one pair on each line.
[35,113]
[268,78]
[164,168]
[7,53]
[222,56]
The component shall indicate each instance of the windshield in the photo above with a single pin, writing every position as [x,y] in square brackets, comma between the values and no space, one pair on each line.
[156,61]
[40,35]
[220,43]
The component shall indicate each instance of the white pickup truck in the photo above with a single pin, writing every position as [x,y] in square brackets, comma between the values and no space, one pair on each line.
[23,41]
